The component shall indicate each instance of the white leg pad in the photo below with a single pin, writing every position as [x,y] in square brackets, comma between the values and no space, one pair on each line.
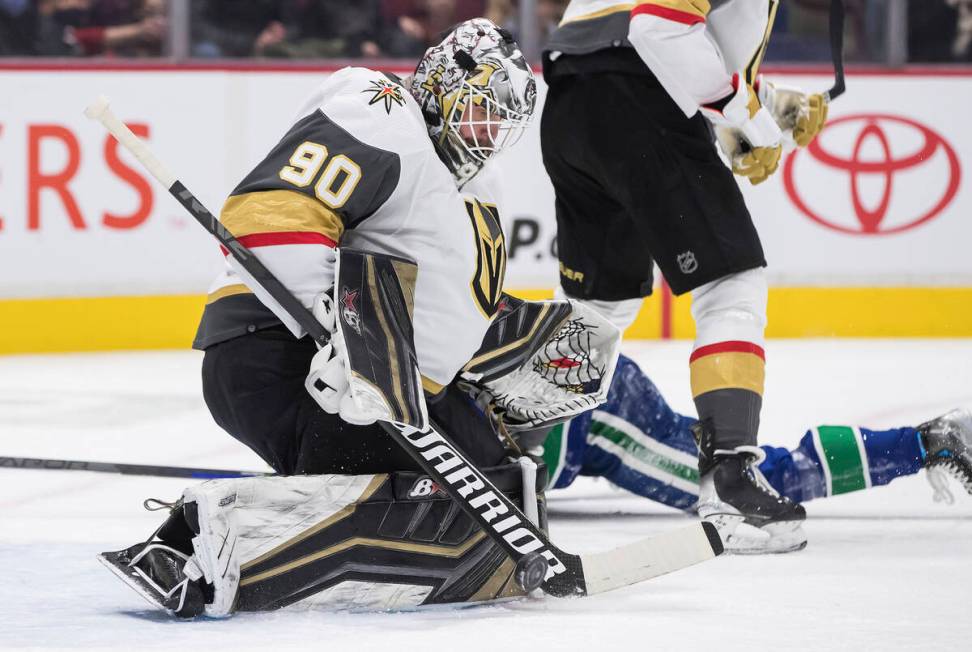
[242,519]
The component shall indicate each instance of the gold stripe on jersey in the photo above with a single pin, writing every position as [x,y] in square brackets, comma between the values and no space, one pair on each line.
[753,68]
[698,8]
[227,291]
[600,13]
[277,211]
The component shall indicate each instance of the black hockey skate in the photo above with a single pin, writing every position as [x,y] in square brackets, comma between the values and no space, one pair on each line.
[156,569]
[752,518]
[947,444]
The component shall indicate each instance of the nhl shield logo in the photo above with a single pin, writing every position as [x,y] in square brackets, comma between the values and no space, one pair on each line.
[687,262]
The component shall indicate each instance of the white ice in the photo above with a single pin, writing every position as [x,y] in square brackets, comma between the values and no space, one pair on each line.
[885,569]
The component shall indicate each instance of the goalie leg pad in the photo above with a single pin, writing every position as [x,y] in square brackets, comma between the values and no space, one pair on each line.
[387,541]
[399,543]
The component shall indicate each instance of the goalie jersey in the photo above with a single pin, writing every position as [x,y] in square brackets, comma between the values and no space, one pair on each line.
[357,168]
[695,48]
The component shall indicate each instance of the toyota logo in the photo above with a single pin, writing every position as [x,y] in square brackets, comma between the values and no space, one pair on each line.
[873,175]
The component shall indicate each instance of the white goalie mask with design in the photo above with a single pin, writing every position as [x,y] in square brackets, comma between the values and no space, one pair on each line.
[477,94]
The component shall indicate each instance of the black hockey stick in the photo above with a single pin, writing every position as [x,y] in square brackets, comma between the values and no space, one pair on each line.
[538,561]
[124,469]
[837,49]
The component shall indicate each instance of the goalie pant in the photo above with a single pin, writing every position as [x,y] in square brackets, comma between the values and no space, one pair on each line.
[639,443]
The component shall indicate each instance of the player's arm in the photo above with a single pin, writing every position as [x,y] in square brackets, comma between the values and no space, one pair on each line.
[707,60]
[672,38]
[293,209]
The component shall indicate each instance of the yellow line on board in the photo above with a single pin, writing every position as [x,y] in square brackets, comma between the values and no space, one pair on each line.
[828,312]
[99,324]
[169,322]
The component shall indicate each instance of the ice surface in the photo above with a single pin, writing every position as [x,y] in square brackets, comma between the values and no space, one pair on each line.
[884,569]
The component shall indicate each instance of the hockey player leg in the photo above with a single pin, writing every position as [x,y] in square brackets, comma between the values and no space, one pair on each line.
[727,372]
[640,444]
[832,460]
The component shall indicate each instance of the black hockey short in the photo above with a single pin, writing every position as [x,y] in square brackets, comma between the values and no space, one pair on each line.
[636,181]
[254,388]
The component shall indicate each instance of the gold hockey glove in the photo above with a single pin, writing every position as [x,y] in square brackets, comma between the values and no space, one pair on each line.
[758,164]
[800,116]
[809,125]
[755,163]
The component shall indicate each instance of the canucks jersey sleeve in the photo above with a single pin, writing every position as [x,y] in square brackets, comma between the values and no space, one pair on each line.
[694,48]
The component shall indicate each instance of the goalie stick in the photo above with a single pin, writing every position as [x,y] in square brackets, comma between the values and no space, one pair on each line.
[49,464]
[538,561]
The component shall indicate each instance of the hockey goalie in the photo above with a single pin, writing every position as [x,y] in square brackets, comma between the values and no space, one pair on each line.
[373,173]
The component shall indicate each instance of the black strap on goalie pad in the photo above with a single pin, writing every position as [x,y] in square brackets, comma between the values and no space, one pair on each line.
[518,330]
[375,297]
[406,532]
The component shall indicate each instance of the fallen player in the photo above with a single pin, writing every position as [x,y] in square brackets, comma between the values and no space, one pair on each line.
[639,443]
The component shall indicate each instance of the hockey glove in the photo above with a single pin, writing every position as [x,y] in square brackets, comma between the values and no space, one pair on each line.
[327,381]
[565,374]
[754,163]
[800,116]
[747,132]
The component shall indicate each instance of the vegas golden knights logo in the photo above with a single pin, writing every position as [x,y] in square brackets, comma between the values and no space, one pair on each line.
[487,284]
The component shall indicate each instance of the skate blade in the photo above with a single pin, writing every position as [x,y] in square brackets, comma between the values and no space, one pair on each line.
[741,538]
[123,572]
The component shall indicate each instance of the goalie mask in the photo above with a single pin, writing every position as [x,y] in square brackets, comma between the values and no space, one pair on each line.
[477,94]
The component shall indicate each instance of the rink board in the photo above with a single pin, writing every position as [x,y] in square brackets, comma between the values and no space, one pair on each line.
[866,234]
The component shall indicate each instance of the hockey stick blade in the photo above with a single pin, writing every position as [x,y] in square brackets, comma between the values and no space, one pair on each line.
[502,520]
[649,558]
[47,464]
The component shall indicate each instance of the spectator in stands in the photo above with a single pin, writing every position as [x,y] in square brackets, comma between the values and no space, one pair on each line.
[100,27]
[18,28]
[935,31]
[961,49]
[328,28]
[802,31]
[231,28]
[411,26]
[549,15]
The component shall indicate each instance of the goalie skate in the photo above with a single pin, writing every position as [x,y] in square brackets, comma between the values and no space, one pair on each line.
[157,573]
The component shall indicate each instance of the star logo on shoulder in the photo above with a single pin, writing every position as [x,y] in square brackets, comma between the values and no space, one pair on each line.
[386,91]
